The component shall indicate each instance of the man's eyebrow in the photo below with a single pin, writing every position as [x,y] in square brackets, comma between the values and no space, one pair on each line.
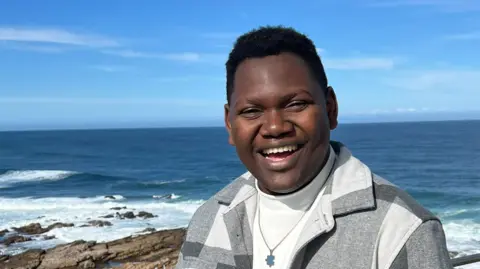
[254,100]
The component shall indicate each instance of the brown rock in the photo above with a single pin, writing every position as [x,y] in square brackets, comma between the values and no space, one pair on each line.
[58,225]
[36,228]
[3,232]
[453,254]
[30,259]
[118,208]
[127,215]
[32,228]
[148,230]
[143,251]
[87,264]
[99,223]
[145,215]
[15,239]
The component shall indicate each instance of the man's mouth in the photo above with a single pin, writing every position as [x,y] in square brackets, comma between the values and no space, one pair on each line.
[280,153]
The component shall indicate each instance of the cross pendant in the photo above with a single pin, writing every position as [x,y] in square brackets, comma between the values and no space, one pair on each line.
[270,260]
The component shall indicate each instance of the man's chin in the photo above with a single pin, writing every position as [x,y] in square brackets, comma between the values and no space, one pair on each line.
[281,186]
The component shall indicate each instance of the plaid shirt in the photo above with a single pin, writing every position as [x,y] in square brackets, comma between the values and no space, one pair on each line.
[362,221]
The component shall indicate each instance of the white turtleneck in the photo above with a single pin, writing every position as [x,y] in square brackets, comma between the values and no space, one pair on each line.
[283,217]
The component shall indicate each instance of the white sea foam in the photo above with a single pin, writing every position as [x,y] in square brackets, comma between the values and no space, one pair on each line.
[12,177]
[16,212]
[463,236]
[163,182]
[172,196]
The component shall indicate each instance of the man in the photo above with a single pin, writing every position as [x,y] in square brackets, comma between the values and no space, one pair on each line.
[306,201]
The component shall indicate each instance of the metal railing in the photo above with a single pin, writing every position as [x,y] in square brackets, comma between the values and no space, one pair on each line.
[469,259]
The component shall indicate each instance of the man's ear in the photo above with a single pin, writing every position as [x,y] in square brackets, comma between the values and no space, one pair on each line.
[332,108]
[228,126]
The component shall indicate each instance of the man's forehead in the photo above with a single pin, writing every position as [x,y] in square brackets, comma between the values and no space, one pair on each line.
[272,70]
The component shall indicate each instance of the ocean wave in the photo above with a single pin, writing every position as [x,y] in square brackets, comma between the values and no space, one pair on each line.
[463,236]
[97,202]
[459,212]
[17,212]
[172,196]
[161,182]
[113,197]
[17,176]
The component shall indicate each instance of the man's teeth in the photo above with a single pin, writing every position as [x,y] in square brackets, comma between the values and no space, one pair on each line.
[280,150]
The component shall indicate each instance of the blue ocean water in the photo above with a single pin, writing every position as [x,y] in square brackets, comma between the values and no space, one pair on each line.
[49,176]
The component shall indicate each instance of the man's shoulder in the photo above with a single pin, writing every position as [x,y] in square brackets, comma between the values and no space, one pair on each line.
[395,200]
[223,197]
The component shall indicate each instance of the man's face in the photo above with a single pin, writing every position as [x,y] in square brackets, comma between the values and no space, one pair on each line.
[279,120]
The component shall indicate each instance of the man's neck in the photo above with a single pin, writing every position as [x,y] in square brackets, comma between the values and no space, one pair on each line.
[303,197]
[307,183]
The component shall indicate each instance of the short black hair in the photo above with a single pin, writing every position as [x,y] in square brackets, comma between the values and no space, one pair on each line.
[273,40]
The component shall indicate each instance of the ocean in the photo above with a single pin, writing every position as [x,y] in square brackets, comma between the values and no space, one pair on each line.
[78,175]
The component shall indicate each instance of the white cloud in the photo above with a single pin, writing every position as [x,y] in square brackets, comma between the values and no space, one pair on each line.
[444,5]
[107,101]
[221,35]
[190,78]
[56,36]
[33,48]
[441,81]
[182,57]
[400,110]
[111,68]
[359,63]
[465,36]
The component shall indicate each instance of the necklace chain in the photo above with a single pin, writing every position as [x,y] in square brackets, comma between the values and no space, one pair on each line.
[260,225]
[278,244]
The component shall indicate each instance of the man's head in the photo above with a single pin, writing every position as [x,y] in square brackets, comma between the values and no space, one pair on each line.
[280,109]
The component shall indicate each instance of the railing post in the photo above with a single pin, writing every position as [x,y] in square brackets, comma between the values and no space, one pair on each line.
[469,259]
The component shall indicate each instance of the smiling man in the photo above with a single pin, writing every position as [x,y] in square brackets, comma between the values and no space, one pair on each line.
[306,201]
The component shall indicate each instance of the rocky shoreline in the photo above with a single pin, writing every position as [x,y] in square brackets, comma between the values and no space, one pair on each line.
[146,251]
[153,250]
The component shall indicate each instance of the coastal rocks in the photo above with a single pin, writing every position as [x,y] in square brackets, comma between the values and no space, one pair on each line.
[148,230]
[3,232]
[142,251]
[126,215]
[30,259]
[15,239]
[118,208]
[453,254]
[145,215]
[36,228]
[97,223]
[131,215]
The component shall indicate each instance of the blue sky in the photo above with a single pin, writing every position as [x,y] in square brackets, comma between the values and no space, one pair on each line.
[121,63]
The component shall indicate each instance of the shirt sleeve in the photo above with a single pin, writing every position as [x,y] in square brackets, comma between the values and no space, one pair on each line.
[425,249]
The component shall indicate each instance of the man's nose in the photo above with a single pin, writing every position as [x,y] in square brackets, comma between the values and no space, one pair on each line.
[275,125]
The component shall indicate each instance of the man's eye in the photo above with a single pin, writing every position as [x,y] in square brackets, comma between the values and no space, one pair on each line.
[250,112]
[297,105]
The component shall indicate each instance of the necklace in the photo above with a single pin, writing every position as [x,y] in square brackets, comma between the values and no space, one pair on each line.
[270,260]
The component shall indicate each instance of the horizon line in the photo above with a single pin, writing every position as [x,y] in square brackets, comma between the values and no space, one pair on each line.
[219,126]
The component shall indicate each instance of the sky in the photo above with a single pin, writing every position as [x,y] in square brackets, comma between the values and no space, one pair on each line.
[117,63]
